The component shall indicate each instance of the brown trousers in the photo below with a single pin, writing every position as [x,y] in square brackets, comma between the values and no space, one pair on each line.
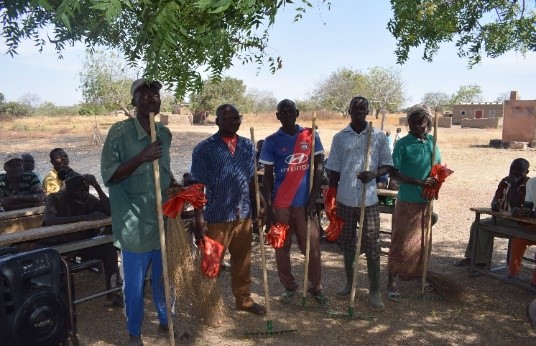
[296,219]
[236,236]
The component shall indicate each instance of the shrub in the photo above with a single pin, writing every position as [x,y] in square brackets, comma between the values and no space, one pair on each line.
[15,109]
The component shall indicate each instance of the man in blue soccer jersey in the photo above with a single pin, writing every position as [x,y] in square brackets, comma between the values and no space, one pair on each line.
[286,155]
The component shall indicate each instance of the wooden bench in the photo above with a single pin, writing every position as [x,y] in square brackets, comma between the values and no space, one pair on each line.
[22,219]
[503,232]
[39,233]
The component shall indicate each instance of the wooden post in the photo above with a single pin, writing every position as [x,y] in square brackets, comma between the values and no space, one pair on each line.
[167,289]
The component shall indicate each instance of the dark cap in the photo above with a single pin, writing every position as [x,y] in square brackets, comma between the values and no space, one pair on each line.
[12,156]
[142,81]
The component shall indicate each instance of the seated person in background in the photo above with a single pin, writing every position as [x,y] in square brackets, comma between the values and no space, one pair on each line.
[28,164]
[518,246]
[74,204]
[510,194]
[531,313]
[258,154]
[19,189]
[52,183]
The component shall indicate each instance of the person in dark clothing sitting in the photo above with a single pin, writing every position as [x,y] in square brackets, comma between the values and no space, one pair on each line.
[75,204]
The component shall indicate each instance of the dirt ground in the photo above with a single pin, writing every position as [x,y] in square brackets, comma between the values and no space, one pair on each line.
[491,312]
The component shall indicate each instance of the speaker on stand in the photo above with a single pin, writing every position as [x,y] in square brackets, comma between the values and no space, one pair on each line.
[33,299]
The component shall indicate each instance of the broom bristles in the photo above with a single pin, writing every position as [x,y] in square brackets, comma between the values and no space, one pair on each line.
[445,285]
[196,294]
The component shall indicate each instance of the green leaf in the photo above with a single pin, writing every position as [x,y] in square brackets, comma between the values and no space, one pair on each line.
[65,20]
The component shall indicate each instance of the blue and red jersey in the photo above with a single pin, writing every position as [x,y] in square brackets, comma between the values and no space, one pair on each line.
[291,157]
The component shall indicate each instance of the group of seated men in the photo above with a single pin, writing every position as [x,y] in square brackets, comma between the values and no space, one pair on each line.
[65,194]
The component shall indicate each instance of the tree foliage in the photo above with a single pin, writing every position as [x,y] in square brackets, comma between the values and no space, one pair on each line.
[438,101]
[105,82]
[467,94]
[172,40]
[336,91]
[31,100]
[217,92]
[260,101]
[15,109]
[503,97]
[2,98]
[385,89]
[489,28]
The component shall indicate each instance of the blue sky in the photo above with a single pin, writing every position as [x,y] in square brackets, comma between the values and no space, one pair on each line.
[352,34]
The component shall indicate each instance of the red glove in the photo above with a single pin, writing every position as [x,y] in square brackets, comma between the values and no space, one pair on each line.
[277,235]
[330,194]
[335,223]
[211,252]
[193,194]
[441,173]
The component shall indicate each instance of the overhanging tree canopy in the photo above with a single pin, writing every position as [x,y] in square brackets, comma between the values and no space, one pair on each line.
[173,39]
[490,27]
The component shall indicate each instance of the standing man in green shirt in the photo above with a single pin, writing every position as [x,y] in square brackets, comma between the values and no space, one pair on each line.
[127,171]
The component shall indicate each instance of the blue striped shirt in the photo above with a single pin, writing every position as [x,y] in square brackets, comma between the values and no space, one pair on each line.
[225,176]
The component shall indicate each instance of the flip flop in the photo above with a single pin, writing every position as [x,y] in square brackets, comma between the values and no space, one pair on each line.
[394,296]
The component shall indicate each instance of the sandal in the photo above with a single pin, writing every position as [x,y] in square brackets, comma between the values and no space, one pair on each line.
[255,309]
[287,296]
[394,296]
[113,300]
[320,298]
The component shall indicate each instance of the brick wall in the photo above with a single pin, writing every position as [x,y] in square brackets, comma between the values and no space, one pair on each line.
[482,123]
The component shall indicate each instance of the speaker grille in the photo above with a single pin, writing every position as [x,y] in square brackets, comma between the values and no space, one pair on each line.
[9,306]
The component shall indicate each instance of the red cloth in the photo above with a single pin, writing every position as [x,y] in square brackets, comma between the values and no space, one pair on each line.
[192,194]
[211,251]
[441,173]
[335,223]
[277,235]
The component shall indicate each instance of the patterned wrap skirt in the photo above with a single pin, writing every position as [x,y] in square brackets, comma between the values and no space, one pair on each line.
[409,224]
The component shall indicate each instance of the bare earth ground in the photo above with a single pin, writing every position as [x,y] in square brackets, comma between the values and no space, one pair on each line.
[491,312]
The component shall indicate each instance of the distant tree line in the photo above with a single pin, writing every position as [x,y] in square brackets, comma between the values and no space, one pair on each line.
[105,80]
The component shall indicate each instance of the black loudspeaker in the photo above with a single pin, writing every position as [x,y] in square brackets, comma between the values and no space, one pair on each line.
[33,299]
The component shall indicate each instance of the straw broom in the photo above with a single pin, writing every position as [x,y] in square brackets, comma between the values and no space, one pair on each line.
[198,296]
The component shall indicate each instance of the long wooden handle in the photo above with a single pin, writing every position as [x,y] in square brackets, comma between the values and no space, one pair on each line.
[429,212]
[308,240]
[158,192]
[361,219]
[261,240]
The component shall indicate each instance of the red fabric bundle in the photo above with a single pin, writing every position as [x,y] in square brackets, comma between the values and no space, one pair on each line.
[335,223]
[192,194]
[277,235]
[441,173]
[211,252]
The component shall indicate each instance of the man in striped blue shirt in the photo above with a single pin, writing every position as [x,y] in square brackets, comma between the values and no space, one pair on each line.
[224,163]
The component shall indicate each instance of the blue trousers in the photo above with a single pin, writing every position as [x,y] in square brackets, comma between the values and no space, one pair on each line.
[135,266]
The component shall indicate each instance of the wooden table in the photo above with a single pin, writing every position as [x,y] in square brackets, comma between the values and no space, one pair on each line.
[503,232]
[39,233]
[18,220]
